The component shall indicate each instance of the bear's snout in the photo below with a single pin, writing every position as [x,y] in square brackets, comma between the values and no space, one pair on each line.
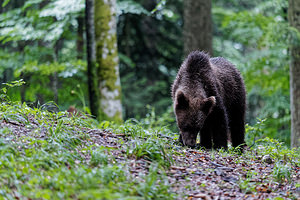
[189,139]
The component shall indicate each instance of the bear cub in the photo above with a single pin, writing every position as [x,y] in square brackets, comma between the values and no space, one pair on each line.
[209,98]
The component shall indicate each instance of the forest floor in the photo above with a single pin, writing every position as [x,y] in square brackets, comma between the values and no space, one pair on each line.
[47,155]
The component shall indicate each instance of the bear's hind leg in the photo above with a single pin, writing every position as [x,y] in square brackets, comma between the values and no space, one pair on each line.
[219,125]
[237,127]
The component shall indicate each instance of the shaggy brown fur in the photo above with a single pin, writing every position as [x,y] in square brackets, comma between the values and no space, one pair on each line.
[209,97]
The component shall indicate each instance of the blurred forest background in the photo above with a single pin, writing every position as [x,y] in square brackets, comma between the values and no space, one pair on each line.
[43,42]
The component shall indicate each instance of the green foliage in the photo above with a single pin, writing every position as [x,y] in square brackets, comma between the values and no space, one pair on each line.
[277,150]
[283,156]
[39,82]
[254,132]
[282,172]
[13,84]
[50,160]
[147,142]
[65,70]
[150,149]
[99,157]
[165,121]
[154,47]
[5,3]
[4,90]
[130,7]
[36,29]
[47,24]
[159,6]
[246,185]
[154,187]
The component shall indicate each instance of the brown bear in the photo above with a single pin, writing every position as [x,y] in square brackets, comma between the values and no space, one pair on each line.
[209,97]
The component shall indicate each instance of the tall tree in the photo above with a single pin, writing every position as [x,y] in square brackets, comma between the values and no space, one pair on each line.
[91,58]
[107,60]
[197,31]
[294,19]
[107,63]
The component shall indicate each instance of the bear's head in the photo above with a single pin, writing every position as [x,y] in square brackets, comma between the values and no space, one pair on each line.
[191,112]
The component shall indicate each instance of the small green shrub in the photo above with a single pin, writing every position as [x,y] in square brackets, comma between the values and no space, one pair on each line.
[150,149]
[282,172]
[254,132]
[99,157]
[154,186]
[277,150]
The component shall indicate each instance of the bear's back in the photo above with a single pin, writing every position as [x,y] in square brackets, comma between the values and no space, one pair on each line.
[231,86]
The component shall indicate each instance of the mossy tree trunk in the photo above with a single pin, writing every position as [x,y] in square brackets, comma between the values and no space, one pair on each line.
[91,58]
[197,30]
[107,60]
[294,19]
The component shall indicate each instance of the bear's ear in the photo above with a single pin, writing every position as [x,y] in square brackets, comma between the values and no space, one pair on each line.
[208,104]
[181,101]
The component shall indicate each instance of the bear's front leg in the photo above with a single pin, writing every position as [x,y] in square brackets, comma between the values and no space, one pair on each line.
[205,137]
[220,137]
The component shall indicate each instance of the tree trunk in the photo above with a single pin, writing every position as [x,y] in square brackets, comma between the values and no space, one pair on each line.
[79,41]
[294,19]
[197,30]
[54,78]
[107,60]
[91,59]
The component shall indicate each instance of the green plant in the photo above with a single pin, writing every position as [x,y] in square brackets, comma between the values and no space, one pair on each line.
[132,128]
[166,120]
[80,94]
[255,131]
[277,150]
[99,157]
[3,95]
[246,184]
[282,172]
[151,149]
[155,186]
[146,142]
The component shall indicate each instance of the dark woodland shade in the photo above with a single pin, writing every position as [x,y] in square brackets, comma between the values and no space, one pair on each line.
[213,95]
